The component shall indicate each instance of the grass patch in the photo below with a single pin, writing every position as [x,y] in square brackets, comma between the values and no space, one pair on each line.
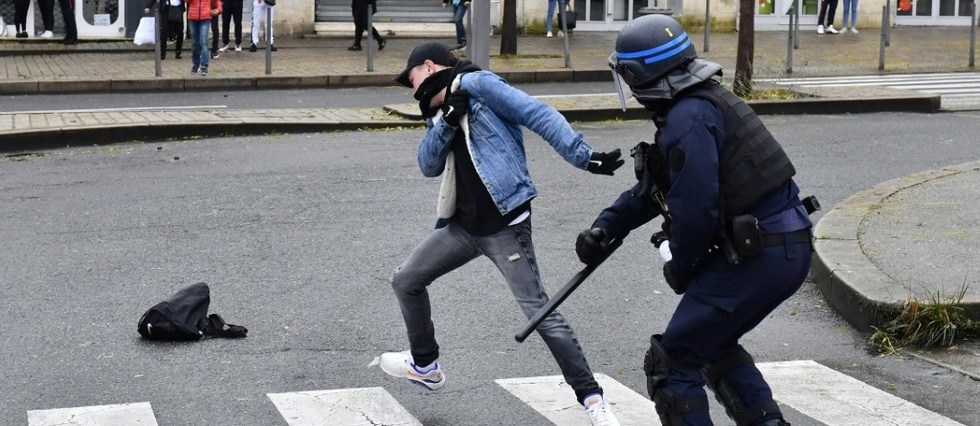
[938,323]
[773,93]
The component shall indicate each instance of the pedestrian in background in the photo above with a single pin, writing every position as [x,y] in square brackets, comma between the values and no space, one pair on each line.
[850,13]
[199,15]
[739,237]
[68,15]
[46,8]
[231,12]
[552,5]
[216,32]
[828,8]
[171,25]
[360,10]
[20,17]
[475,125]
[459,10]
[259,8]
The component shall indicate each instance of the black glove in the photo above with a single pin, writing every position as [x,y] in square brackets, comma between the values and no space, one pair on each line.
[605,163]
[672,280]
[592,245]
[455,107]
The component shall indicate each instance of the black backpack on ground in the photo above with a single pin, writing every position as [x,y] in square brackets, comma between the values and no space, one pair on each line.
[184,316]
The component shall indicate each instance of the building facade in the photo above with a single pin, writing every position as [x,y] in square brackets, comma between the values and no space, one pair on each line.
[108,19]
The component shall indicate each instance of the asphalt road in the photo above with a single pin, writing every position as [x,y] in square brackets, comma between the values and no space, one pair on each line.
[298,234]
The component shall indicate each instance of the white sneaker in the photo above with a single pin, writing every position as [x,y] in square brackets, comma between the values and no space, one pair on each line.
[401,364]
[854,30]
[819,29]
[599,412]
[831,30]
[549,34]
[223,48]
[47,34]
[561,34]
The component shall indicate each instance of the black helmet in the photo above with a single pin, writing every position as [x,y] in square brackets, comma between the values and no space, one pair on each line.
[648,48]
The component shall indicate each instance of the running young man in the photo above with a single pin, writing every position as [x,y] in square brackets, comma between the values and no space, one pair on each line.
[475,141]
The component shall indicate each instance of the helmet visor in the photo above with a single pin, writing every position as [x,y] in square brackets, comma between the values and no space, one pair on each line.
[622,89]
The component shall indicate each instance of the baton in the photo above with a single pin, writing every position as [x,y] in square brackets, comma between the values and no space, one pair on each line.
[562,294]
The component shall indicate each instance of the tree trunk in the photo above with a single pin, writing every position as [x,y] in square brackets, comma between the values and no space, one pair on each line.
[742,86]
[508,34]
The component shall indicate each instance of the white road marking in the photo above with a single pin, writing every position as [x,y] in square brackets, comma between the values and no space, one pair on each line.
[555,400]
[135,414]
[835,398]
[342,407]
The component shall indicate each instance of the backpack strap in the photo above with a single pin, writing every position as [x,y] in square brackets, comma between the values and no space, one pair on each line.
[217,327]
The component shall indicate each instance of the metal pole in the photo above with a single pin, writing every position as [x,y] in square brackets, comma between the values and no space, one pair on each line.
[707,23]
[156,43]
[268,40]
[796,28]
[973,31]
[888,23]
[789,44]
[884,38]
[478,44]
[564,30]
[370,45]
[469,27]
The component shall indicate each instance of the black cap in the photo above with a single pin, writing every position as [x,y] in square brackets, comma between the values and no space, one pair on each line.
[434,51]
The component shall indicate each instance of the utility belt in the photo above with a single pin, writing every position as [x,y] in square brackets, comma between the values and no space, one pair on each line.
[804,235]
[744,240]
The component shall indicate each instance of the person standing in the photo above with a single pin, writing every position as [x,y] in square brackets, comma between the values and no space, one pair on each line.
[231,12]
[459,11]
[46,8]
[259,8]
[68,14]
[475,123]
[20,17]
[850,13]
[199,15]
[172,27]
[360,10]
[552,6]
[216,32]
[738,238]
[828,8]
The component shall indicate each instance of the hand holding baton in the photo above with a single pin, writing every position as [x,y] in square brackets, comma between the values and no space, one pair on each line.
[562,294]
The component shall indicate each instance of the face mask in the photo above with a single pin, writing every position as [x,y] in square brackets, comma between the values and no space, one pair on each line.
[433,84]
[428,89]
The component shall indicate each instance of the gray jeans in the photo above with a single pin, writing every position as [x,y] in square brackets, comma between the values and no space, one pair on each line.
[511,250]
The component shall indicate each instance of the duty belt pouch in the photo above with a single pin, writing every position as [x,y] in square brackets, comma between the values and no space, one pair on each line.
[746,236]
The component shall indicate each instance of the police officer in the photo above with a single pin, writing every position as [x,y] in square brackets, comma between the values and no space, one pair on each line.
[739,236]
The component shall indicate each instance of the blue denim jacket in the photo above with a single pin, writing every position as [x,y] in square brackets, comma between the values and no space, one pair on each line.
[496,140]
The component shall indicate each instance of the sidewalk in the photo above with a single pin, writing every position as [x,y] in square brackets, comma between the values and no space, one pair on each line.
[856,254]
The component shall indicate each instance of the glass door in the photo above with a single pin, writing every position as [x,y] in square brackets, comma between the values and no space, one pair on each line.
[932,12]
[606,15]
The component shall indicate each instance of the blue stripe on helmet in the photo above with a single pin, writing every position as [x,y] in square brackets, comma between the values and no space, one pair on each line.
[660,52]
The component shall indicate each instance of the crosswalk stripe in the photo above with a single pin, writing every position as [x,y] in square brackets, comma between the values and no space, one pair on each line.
[835,398]
[342,407]
[134,414]
[816,391]
[555,400]
[955,89]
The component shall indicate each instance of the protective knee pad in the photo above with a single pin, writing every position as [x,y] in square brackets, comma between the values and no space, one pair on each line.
[656,365]
[670,408]
[715,377]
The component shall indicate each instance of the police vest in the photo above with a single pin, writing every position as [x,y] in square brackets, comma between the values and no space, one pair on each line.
[751,163]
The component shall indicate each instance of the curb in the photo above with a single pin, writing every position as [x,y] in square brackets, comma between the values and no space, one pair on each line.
[853,285]
[574,108]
